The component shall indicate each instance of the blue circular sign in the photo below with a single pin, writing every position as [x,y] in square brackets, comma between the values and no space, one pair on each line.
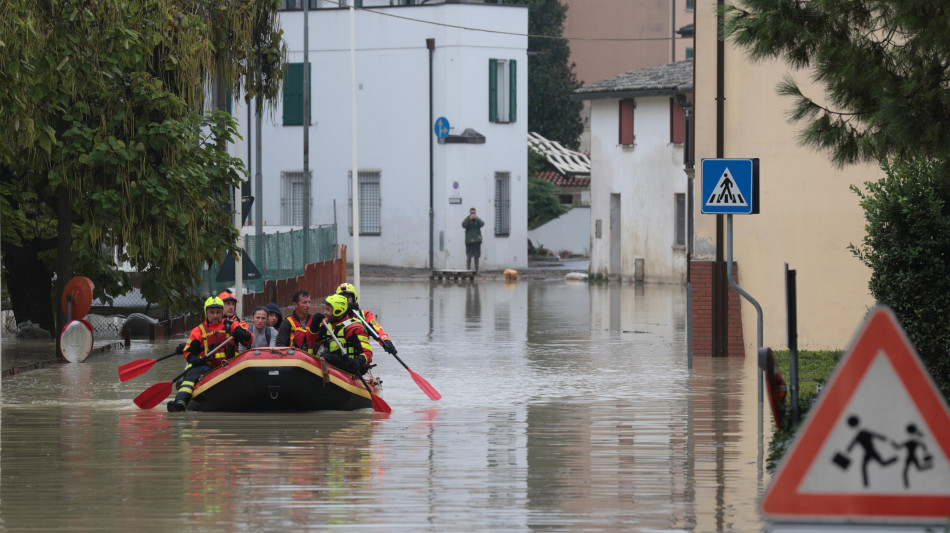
[441,127]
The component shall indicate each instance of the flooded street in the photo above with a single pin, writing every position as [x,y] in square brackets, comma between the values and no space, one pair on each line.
[566,407]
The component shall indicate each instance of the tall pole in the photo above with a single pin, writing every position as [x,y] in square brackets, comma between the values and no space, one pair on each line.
[259,193]
[306,130]
[430,45]
[356,174]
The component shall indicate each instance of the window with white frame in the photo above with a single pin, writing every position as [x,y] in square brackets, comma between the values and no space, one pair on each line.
[502,90]
[502,203]
[292,195]
[680,210]
[371,202]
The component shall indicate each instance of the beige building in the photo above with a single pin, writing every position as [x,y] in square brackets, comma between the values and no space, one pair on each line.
[808,216]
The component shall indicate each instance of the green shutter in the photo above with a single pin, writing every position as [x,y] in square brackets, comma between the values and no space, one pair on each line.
[293,95]
[492,90]
[513,90]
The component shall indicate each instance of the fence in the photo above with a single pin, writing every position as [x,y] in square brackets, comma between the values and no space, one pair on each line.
[277,256]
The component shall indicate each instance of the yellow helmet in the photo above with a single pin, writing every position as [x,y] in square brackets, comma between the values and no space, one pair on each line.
[213,301]
[339,306]
[347,288]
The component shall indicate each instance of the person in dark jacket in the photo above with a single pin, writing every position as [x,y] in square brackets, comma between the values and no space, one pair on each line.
[473,239]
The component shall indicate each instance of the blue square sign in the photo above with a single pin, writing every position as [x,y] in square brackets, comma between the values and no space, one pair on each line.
[730,186]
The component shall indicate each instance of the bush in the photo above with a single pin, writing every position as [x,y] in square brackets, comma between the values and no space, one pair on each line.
[907,247]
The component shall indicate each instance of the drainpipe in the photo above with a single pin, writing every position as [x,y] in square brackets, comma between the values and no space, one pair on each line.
[430,45]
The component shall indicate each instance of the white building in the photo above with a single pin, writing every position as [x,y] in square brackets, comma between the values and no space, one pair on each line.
[638,184]
[478,65]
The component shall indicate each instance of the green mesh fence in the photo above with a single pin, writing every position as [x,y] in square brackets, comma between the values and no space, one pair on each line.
[277,256]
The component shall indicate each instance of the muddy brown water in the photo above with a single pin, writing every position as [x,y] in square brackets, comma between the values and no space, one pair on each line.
[566,407]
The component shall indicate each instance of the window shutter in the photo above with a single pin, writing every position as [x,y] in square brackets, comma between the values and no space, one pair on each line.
[676,123]
[626,121]
[492,90]
[513,90]
[293,95]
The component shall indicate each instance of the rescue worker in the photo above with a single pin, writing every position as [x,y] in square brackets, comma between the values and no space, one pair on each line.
[355,355]
[230,304]
[348,290]
[206,336]
[293,330]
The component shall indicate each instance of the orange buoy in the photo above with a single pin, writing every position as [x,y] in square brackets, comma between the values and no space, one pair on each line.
[79,291]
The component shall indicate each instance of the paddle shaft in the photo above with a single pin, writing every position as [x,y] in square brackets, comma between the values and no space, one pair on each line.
[420,381]
[378,403]
[153,395]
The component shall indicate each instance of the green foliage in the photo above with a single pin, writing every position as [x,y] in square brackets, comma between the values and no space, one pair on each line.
[881,63]
[907,247]
[103,101]
[814,369]
[551,77]
[543,203]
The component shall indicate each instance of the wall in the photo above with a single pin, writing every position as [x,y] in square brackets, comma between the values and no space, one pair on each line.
[808,214]
[393,128]
[570,231]
[646,176]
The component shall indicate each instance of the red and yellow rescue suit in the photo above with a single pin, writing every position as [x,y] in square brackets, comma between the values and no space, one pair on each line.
[299,334]
[355,356]
[204,338]
[380,335]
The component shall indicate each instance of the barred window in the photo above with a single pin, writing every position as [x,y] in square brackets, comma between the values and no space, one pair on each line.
[292,197]
[502,203]
[371,202]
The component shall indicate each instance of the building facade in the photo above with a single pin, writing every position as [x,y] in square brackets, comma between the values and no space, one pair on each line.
[415,66]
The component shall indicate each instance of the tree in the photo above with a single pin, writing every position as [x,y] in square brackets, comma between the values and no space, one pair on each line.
[907,246]
[543,203]
[882,63]
[551,77]
[103,144]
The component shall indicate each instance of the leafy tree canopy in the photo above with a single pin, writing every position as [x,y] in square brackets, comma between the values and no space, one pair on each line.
[100,104]
[543,203]
[884,66]
[551,77]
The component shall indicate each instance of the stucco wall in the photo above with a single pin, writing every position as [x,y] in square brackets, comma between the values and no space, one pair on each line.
[394,130]
[646,176]
[570,231]
[808,214]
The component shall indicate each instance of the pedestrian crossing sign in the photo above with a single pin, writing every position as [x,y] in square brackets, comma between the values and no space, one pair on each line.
[876,446]
[730,186]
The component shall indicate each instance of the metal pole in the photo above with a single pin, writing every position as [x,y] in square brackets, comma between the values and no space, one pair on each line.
[356,174]
[791,302]
[306,124]
[746,295]
[259,193]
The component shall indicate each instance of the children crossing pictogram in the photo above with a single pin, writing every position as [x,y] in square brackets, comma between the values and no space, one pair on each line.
[726,193]
[877,444]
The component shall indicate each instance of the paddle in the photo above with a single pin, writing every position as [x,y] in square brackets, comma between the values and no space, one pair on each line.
[141,366]
[154,395]
[378,403]
[420,381]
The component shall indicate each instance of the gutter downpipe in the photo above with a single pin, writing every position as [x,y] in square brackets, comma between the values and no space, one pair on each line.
[430,45]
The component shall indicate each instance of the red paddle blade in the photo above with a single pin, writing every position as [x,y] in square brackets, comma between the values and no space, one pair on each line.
[154,395]
[135,369]
[424,385]
[379,404]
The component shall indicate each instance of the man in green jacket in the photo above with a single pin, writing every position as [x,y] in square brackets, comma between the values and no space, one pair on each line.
[473,239]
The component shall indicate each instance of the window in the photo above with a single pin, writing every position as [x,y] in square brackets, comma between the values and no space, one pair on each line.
[689,52]
[371,202]
[502,90]
[676,122]
[690,5]
[626,121]
[680,237]
[292,197]
[293,95]
[502,203]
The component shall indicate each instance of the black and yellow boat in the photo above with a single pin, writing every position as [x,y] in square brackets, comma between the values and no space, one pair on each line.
[283,379]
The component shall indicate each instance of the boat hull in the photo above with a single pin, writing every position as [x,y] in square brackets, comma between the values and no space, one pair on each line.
[280,379]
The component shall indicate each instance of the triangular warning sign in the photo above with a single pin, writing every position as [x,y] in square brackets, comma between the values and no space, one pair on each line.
[876,446]
[726,192]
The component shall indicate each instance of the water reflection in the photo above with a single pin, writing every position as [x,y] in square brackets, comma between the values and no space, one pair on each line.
[565,407]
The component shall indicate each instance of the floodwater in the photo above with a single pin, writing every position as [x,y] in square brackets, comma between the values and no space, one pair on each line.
[566,407]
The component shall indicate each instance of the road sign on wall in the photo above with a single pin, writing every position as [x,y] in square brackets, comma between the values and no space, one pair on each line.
[875,448]
[730,186]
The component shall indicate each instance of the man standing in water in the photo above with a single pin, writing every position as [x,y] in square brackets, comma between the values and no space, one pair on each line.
[473,239]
